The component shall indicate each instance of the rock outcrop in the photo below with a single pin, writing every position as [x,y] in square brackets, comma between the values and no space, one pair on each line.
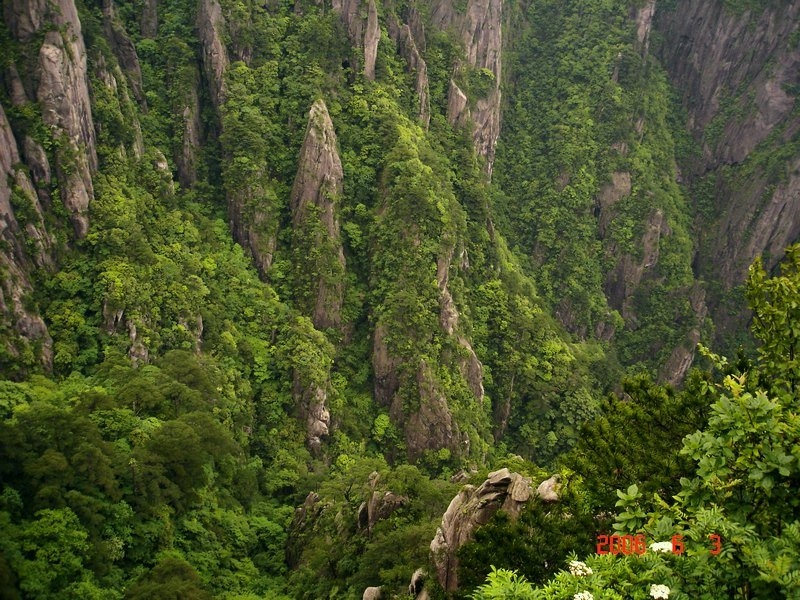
[123,49]
[379,505]
[210,28]
[738,73]
[312,400]
[148,19]
[314,198]
[17,195]
[60,84]
[470,509]
[364,33]
[481,32]
[408,45]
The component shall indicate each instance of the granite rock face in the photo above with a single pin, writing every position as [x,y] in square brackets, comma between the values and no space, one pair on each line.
[738,74]
[409,43]
[210,29]
[364,31]
[470,509]
[60,83]
[315,223]
[481,32]
[16,257]
[317,188]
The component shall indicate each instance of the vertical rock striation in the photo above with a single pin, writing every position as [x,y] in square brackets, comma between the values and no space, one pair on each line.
[317,188]
[408,44]
[738,74]
[210,28]
[60,84]
[18,258]
[318,248]
[481,32]
[364,33]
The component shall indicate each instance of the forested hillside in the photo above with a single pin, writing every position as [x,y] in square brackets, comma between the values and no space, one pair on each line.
[279,279]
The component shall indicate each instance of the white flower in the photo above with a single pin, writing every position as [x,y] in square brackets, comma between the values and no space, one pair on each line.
[583,596]
[661,546]
[579,569]
[659,591]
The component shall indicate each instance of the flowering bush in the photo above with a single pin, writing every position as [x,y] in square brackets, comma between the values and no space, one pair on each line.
[661,546]
[579,569]
[659,591]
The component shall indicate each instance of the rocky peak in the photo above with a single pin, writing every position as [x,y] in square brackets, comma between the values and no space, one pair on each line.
[643,17]
[379,505]
[123,49]
[408,45]
[317,188]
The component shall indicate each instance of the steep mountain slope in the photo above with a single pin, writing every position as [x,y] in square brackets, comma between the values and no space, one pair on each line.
[355,237]
[737,71]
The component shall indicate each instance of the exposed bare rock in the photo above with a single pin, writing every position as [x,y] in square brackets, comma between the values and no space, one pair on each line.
[60,84]
[712,52]
[317,188]
[643,16]
[432,426]
[457,105]
[372,36]
[186,158]
[210,28]
[312,400]
[123,49]
[549,489]
[148,19]
[737,72]
[138,352]
[364,33]
[302,527]
[470,509]
[417,583]
[385,368]
[469,365]
[481,32]
[25,17]
[15,260]
[405,39]
[618,188]
[372,593]
[622,282]
[682,357]
[379,505]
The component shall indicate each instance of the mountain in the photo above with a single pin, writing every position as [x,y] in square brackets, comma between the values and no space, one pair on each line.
[319,240]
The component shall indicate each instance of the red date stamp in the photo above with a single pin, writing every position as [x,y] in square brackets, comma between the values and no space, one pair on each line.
[637,544]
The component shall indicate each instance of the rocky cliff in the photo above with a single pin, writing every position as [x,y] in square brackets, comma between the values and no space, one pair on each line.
[361,20]
[738,73]
[409,44]
[480,27]
[25,245]
[60,83]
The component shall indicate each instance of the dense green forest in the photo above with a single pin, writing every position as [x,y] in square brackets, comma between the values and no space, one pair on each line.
[284,283]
